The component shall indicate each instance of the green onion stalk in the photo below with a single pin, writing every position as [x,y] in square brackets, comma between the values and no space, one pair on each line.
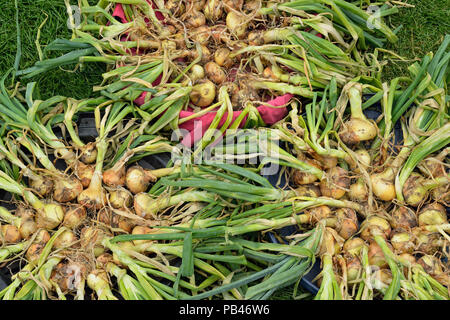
[98,281]
[95,196]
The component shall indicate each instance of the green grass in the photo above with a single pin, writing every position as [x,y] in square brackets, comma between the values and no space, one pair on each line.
[31,14]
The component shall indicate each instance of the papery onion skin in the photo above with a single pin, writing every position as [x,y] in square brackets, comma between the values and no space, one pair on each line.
[42,186]
[215,73]
[300,177]
[347,224]
[27,228]
[357,130]
[50,216]
[376,255]
[402,241]
[9,234]
[142,230]
[375,225]
[114,178]
[339,181]
[34,252]
[403,217]
[120,198]
[84,173]
[137,180]
[237,24]
[308,190]
[433,214]
[74,216]
[203,93]
[413,190]
[354,245]
[65,239]
[66,190]
[319,213]
[89,153]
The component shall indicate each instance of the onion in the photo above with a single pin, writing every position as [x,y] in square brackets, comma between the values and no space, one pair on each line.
[74,216]
[27,228]
[255,38]
[213,10]
[354,245]
[122,222]
[137,179]
[300,177]
[85,172]
[347,224]
[41,185]
[65,240]
[143,204]
[201,35]
[91,238]
[237,24]
[381,279]
[104,215]
[203,93]
[222,57]
[103,259]
[9,234]
[69,275]
[50,216]
[430,264]
[94,197]
[215,73]
[402,241]
[115,176]
[42,236]
[403,217]
[319,213]
[375,225]
[426,241]
[142,230]
[24,213]
[268,73]
[197,72]
[413,190]
[331,243]
[358,191]
[432,214]
[376,255]
[335,184]
[383,184]
[308,190]
[353,267]
[363,158]
[89,153]
[229,5]
[358,128]
[66,190]
[34,252]
[327,162]
[195,19]
[120,198]
[197,4]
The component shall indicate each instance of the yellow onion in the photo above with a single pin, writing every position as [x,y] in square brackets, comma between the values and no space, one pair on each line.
[229,5]
[363,158]
[335,184]
[403,217]
[115,176]
[354,266]
[252,5]
[402,241]
[222,57]
[142,230]
[255,38]
[354,245]
[331,243]
[237,24]
[89,153]
[50,216]
[122,222]
[319,213]
[195,19]
[27,228]
[358,191]
[144,205]
[120,198]
[381,279]
[308,190]
[34,252]
[197,4]
[65,239]
[66,190]
[430,264]
[383,184]
[91,239]
[94,197]
[327,162]
[196,73]
[376,256]
[42,186]
[268,73]
[9,234]
[103,259]
[74,216]
[347,222]
[213,10]
[300,177]
[84,173]
[426,241]
[408,260]
[203,93]
[375,225]
[215,73]
[104,215]
[432,214]
[201,35]
[413,190]
[42,236]
[138,179]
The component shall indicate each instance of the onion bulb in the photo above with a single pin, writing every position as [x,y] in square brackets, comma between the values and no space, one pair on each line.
[432,214]
[201,35]
[375,225]
[331,242]
[27,228]
[94,196]
[42,236]
[237,24]
[300,177]
[195,19]
[66,190]
[41,185]
[120,198]
[115,176]
[430,264]
[9,234]
[215,73]
[383,184]
[50,216]
[402,241]
[122,222]
[347,222]
[213,10]
[327,162]
[426,241]
[319,213]
[376,256]
[34,252]
[196,73]
[74,216]
[354,245]
[142,230]
[65,240]
[91,239]
[413,190]
[363,158]
[308,190]
[381,279]
[144,205]
[203,93]
[222,57]
[353,265]
[229,5]
[335,184]
[404,218]
[84,173]
[358,191]
[138,179]
[89,153]
[358,128]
